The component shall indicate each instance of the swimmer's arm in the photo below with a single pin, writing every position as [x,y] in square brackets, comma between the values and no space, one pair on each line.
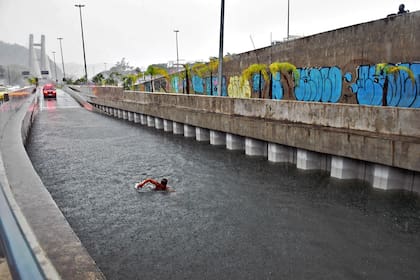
[140,185]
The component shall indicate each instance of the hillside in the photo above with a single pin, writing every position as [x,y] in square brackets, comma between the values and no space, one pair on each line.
[13,54]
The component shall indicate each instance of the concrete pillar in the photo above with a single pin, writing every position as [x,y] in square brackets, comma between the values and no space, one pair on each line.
[124,115]
[136,117]
[235,142]
[346,168]
[178,128]
[388,178]
[217,138]
[189,130]
[130,116]
[168,126]
[150,121]
[202,134]
[308,160]
[254,147]
[120,114]
[281,153]
[115,113]
[143,119]
[159,123]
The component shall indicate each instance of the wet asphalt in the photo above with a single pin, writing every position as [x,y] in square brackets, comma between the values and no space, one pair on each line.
[232,216]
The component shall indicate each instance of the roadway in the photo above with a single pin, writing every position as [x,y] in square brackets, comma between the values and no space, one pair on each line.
[231,217]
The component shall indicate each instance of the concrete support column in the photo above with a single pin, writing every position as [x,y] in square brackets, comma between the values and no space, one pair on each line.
[159,123]
[202,134]
[387,178]
[130,116]
[235,142]
[281,153]
[217,138]
[143,119]
[346,168]
[189,130]
[254,147]
[136,117]
[168,126]
[178,128]
[115,113]
[124,115]
[120,114]
[308,160]
[150,121]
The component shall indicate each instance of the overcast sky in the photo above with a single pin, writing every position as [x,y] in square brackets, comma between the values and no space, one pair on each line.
[142,31]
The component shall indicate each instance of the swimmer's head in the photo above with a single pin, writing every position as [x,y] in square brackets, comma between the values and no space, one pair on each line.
[164,182]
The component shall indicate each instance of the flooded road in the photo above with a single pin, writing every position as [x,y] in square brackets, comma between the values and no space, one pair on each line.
[232,216]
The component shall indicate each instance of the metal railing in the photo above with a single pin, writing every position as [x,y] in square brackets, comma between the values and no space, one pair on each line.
[20,258]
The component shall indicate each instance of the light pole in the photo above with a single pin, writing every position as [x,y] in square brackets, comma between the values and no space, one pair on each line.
[83,39]
[288,16]
[177,57]
[62,59]
[220,73]
[55,68]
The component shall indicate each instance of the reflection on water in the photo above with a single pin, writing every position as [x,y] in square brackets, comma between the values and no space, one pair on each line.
[232,216]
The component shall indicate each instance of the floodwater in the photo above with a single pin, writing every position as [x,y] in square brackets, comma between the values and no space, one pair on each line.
[232,216]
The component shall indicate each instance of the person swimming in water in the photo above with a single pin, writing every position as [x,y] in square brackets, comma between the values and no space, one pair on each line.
[162,186]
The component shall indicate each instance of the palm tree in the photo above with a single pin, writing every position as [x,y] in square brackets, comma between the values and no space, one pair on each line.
[202,69]
[260,69]
[386,69]
[155,71]
[285,68]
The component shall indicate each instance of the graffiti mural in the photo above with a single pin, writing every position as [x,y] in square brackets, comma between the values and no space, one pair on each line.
[277,87]
[211,86]
[175,84]
[319,84]
[197,83]
[239,89]
[256,80]
[396,89]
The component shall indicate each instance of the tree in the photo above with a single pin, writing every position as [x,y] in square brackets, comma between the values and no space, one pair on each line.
[284,68]
[202,69]
[260,69]
[98,79]
[154,71]
[386,69]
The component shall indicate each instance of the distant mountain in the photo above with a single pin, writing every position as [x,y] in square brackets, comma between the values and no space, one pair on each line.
[13,54]
[16,58]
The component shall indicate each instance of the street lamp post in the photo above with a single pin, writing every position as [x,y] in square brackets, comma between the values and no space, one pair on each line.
[177,57]
[83,39]
[288,18]
[62,59]
[55,68]
[220,71]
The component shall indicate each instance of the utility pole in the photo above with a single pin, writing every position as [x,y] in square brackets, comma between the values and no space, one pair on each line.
[62,59]
[220,72]
[55,68]
[80,6]
[177,57]
[288,18]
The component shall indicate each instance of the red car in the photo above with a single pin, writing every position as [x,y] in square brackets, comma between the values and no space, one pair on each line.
[49,91]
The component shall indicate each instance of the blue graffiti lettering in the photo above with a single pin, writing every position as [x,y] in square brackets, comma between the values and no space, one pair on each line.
[401,90]
[277,88]
[319,84]
[214,86]
[197,83]
[256,78]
